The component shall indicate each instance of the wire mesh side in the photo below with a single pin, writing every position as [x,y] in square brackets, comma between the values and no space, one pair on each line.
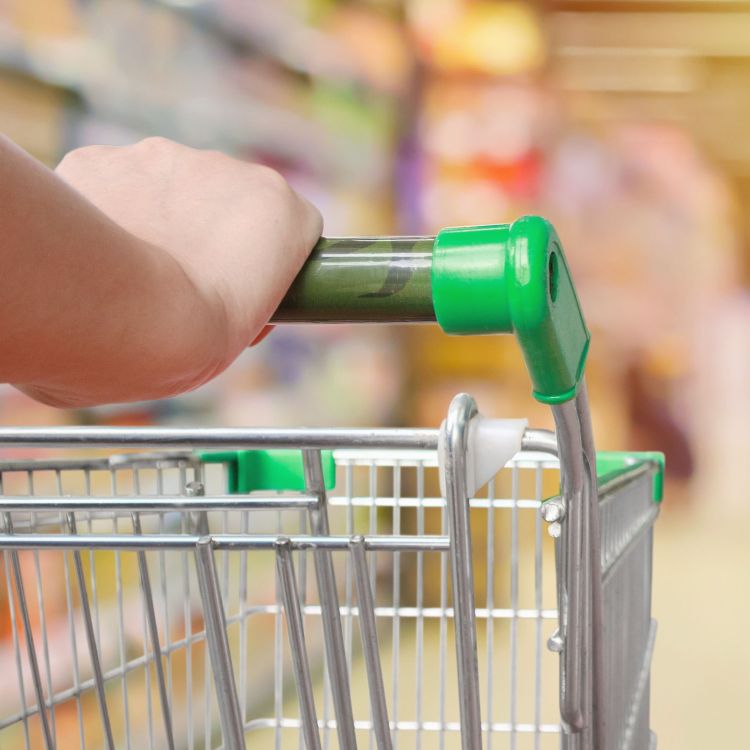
[150,639]
[109,627]
[383,493]
[515,601]
[628,513]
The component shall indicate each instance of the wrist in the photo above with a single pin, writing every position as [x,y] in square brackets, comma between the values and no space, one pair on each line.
[193,318]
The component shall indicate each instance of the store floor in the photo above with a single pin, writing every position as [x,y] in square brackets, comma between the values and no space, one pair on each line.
[701,670]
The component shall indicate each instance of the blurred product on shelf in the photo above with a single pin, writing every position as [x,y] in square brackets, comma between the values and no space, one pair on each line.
[625,123]
[444,119]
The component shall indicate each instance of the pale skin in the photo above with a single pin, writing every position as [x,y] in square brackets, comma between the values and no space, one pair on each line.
[139,272]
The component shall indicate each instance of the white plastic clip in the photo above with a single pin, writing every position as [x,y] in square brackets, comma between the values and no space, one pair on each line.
[491,444]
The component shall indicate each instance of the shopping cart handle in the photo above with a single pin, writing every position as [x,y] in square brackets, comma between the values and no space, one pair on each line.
[502,278]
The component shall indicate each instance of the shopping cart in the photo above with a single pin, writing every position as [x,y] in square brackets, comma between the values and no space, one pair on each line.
[232,587]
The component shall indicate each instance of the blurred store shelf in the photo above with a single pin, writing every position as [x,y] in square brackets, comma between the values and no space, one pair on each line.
[625,121]
[681,62]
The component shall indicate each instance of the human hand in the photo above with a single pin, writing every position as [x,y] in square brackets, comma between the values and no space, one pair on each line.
[221,241]
[237,230]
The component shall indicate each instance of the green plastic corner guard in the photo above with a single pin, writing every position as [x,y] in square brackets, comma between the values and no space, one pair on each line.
[513,278]
[276,470]
[611,463]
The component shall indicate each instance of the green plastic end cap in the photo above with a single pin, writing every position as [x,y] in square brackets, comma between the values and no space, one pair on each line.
[274,470]
[513,278]
[609,463]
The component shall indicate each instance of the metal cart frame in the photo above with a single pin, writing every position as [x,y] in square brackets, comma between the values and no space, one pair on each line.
[603,549]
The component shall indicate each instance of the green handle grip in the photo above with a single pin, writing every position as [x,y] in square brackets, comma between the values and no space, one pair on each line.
[363,280]
[504,278]
[513,278]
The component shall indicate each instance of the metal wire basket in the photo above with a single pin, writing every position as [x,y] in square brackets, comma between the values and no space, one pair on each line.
[255,588]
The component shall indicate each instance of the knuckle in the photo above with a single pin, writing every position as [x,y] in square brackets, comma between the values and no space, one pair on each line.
[315,220]
[271,180]
[81,157]
[75,157]
[276,192]
[154,143]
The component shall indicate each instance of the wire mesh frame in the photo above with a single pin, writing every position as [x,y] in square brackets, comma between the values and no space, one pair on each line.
[409,613]
[346,514]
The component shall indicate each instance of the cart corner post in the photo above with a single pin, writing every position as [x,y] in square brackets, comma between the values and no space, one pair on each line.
[514,278]
[230,715]
[454,447]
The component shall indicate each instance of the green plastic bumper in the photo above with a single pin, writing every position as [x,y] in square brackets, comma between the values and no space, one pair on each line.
[272,470]
[611,463]
[281,470]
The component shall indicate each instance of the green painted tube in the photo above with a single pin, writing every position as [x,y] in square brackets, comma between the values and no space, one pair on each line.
[363,280]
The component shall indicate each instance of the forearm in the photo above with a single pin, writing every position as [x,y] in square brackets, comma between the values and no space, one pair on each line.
[78,293]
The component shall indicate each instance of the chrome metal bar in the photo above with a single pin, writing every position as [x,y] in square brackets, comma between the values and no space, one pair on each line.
[218,646]
[643,679]
[92,564]
[622,553]
[219,542]
[296,633]
[164,673]
[490,604]
[186,618]
[36,677]
[153,631]
[88,623]
[419,625]
[160,459]
[70,616]
[122,648]
[329,601]
[593,543]
[434,727]
[460,413]
[348,569]
[580,576]
[147,687]
[243,621]
[198,519]
[152,504]
[369,634]
[443,633]
[372,522]
[278,663]
[303,525]
[625,478]
[544,441]
[514,575]
[24,714]
[573,572]
[396,598]
[538,602]
[53,464]
[45,639]
[226,437]
[199,525]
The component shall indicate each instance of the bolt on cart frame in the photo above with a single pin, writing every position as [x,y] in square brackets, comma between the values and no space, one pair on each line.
[199,629]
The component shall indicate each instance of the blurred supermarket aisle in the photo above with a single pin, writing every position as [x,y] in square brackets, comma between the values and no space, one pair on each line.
[623,122]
